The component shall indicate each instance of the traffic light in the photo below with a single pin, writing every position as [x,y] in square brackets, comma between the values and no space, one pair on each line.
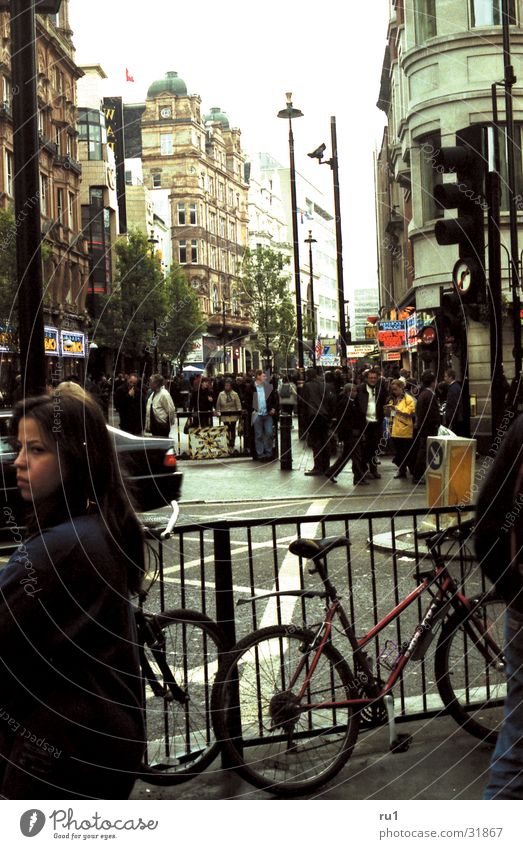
[467,195]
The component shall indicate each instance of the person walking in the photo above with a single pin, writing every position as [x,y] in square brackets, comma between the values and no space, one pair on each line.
[201,405]
[454,417]
[229,408]
[348,428]
[319,402]
[288,396]
[498,536]
[264,409]
[129,401]
[402,408]
[428,420]
[160,414]
[70,672]
[370,399]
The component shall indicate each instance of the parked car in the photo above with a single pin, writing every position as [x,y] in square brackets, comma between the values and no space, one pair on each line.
[148,465]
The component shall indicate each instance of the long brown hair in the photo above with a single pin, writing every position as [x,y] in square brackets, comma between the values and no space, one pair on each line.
[92,480]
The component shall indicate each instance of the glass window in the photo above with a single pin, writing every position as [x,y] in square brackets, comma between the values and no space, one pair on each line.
[212,222]
[194,250]
[429,176]
[91,128]
[157,181]
[504,166]
[60,208]
[424,20]
[182,251]
[166,144]
[192,213]
[215,301]
[181,213]
[71,210]
[211,186]
[222,227]
[9,166]
[8,91]
[44,193]
[487,13]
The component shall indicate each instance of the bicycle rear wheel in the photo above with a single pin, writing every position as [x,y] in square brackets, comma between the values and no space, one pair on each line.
[180,739]
[273,739]
[470,668]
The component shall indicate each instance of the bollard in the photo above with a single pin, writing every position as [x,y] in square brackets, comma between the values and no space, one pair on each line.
[285,442]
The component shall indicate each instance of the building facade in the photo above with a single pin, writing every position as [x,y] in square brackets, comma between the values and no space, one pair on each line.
[64,250]
[440,63]
[194,167]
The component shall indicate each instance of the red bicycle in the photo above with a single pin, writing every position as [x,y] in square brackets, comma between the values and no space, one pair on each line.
[287,706]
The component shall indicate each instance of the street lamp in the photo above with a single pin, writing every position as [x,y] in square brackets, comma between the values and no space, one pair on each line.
[310,241]
[290,112]
[152,240]
[333,162]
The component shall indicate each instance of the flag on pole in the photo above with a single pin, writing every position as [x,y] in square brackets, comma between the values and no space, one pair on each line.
[128,77]
[319,348]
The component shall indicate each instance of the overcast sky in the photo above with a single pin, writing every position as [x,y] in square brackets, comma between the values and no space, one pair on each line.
[243,57]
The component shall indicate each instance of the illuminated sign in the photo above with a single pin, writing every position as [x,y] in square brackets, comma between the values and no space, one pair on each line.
[8,340]
[72,344]
[391,334]
[51,342]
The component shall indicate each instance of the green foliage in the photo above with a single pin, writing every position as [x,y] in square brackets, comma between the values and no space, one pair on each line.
[183,317]
[265,292]
[8,278]
[125,318]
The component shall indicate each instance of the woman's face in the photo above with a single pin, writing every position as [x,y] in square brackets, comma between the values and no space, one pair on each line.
[396,391]
[38,473]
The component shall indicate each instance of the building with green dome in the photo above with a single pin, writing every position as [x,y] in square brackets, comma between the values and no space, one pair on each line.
[194,166]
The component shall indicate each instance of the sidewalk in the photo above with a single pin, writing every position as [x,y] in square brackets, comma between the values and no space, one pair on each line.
[443,762]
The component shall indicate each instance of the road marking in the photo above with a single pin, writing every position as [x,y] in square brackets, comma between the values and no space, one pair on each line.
[289,574]
[240,549]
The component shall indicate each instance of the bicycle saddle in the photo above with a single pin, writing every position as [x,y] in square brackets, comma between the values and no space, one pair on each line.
[314,549]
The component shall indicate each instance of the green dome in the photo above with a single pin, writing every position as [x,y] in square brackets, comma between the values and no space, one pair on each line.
[171,83]
[218,117]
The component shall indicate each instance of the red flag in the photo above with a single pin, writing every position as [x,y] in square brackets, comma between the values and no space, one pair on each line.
[128,77]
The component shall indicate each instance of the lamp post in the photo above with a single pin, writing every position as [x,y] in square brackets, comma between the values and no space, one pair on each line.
[310,241]
[333,162]
[289,113]
[152,240]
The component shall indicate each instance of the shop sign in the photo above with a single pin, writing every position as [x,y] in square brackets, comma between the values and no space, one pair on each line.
[8,341]
[391,334]
[51,342]
[72,344]
[371,331]
[195,355]
[392,355]
[414,324]
[360,350]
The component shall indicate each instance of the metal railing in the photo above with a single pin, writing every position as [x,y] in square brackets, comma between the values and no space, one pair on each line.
[210,566]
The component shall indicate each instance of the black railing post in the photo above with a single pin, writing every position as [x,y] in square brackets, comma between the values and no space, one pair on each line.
[285,442]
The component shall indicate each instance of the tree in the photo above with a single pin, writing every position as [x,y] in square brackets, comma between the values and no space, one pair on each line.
[8,275]
[183,317]
[127,316]
[265,291]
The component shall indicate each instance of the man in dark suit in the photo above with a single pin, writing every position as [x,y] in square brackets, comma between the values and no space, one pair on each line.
[454,419]
[428,420]
[370,399]
[319,401]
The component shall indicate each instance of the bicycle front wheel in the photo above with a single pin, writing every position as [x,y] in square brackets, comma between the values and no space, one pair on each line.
[278,737]
[470,668]
[180,739]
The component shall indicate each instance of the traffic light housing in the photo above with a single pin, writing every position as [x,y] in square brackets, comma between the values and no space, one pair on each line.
[467,195]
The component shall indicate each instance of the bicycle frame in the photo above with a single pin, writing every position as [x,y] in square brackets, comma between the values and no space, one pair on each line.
[447,594]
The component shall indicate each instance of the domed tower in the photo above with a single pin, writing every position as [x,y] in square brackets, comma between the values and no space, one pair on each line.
[194,166]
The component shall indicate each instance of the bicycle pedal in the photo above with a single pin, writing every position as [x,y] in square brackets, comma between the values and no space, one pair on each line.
[401,744]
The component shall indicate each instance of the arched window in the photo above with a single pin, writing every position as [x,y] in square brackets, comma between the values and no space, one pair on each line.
[215,300]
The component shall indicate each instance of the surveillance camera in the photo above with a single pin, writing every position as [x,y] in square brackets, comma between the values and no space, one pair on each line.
[318,153]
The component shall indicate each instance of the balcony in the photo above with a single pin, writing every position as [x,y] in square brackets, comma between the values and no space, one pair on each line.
[65,161]
[235,324]
[6,111]
[48,145]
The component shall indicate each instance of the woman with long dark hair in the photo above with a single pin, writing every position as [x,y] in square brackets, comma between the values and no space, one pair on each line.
[72,721]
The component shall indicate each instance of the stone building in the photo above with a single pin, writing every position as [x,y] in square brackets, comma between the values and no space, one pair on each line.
[440,63]
[65,255]
[193,165]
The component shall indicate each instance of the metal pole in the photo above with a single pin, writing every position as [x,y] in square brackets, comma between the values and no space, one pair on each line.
[309,242]
[494,277]
[297,277]
[509,81]
[27,196]
[339,247]
[224,337]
